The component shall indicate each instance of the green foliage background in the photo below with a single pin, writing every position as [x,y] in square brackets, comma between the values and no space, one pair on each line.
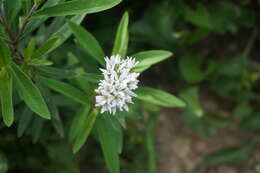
[216,49]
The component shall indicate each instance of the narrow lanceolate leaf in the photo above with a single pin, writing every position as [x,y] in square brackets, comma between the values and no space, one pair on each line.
[109,142]
[91,77]
[88,42]
[29,50]
[85,130]
[55,116]
[6,92]
[37,127]
[67,90]
[56,73]
[45,48]
[29,92]
[24,121]
[64,32]
[75,7]
[121,41]
[158,97]
[5,55]
[56,119]
[229,155]
[12,8]
[78,122]
[39,62]
[148,58]
[35,23]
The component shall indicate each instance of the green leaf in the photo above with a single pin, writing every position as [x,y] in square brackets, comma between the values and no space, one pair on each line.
[85,130]
[39,62]
[29,92]
[56,73]
[251,123]
[191,97]
[64,32]
[24,121]
[158,97]
[12,8]
[88,42]
[45,48]
[56,119]
[5,55]
[26,5]
[78,122]
[121,40]
[55,116]
[216,121]
[29,50]
[3,163]
[36,22]
[242,111]
[194,68]
[148,58]
[227,155]
[200,17]
[91,77]
[6,94]
[67,90]
[75,7]
[108,138]
[37,127]
[232,67]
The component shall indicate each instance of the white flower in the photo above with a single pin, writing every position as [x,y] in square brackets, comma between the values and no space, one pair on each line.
[115,90]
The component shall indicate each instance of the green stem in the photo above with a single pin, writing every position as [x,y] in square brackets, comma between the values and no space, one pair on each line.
[250,43]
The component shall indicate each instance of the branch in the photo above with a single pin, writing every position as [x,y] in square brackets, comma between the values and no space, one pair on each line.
[25,22]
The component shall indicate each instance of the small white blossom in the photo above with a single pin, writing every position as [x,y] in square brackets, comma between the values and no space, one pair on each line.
[115,90]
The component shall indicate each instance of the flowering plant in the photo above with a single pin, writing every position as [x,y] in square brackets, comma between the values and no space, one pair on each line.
[25,61]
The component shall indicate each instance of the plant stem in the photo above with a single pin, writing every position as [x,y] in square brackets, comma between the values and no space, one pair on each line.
[25,22]
[14,41]
[4,24]
[250,43]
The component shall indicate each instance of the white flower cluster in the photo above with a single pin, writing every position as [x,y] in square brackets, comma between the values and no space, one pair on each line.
[115,91]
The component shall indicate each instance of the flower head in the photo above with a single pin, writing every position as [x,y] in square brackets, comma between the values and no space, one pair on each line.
[116,89]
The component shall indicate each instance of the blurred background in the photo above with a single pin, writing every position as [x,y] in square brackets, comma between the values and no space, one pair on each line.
[215,69]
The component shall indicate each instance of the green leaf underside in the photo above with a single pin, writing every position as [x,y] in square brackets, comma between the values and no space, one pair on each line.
[158,97]
[75,7]
[29,92]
